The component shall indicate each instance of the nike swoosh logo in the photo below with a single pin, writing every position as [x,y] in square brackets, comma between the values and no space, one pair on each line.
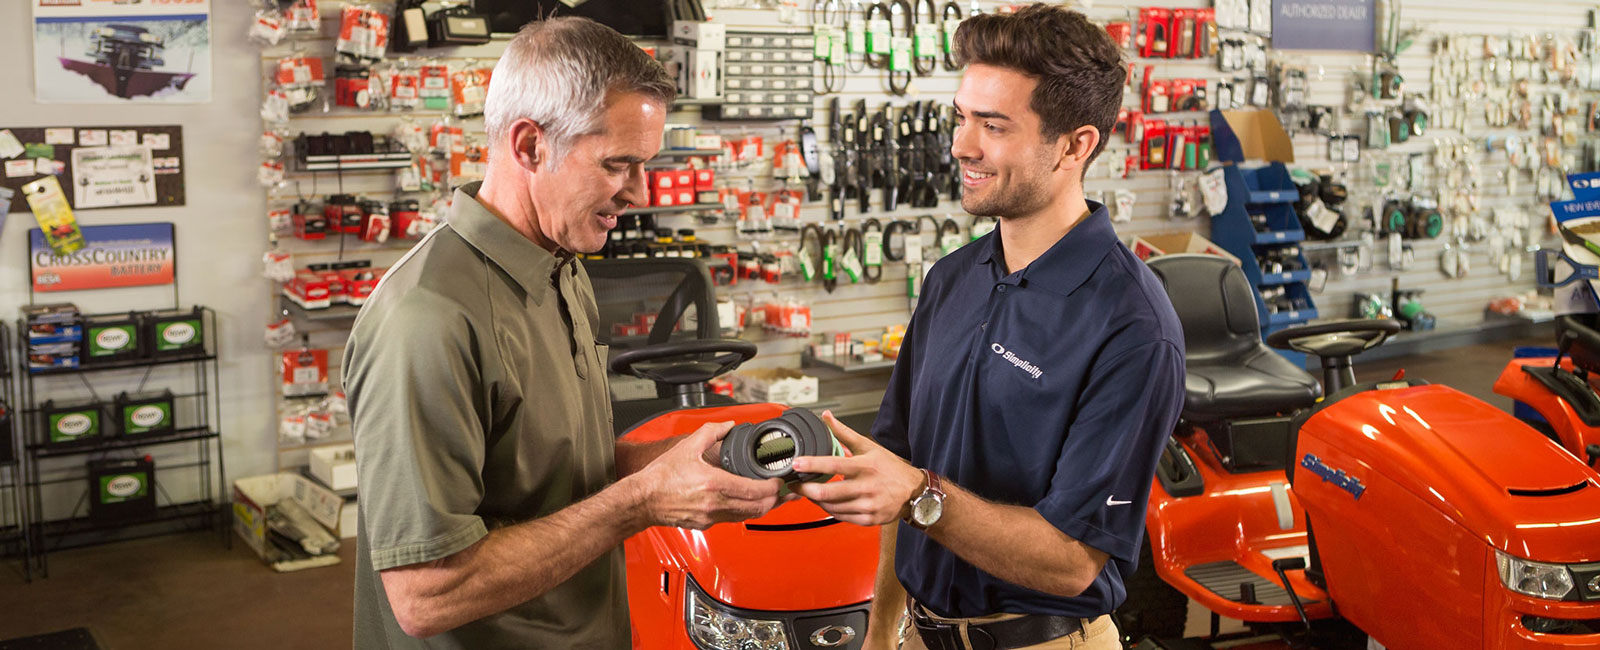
[1112,501]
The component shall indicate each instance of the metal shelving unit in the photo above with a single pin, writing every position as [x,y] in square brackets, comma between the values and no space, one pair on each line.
[198,411]
[14,538]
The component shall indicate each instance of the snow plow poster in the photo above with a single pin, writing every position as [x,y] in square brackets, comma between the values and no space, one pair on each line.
[122,51]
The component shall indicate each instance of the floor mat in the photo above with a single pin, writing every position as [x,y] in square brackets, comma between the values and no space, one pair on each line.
[73,639]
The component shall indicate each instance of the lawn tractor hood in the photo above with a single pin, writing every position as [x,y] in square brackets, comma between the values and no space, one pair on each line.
[1492,475]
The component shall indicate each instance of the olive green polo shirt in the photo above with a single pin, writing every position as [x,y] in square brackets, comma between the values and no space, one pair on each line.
[478,399]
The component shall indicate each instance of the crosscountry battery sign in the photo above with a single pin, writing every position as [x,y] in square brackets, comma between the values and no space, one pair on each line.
[129,255]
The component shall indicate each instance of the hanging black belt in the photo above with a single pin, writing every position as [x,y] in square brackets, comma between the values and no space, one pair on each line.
[872,272]
[951,11]
[904,229]
[925,65]
[897,84]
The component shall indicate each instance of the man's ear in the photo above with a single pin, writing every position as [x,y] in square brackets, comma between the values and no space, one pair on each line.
[529,144]
[1080,145]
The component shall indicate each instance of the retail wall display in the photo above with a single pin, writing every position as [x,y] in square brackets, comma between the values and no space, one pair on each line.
[826,225]
[126,255]
[97,52]
[96,166]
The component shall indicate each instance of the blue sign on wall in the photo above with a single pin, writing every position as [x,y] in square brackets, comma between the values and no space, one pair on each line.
[1324,25]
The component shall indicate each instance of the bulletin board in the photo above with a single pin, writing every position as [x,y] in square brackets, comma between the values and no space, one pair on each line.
[98,166]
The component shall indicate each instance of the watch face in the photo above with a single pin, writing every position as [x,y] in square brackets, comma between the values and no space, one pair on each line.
[926,511]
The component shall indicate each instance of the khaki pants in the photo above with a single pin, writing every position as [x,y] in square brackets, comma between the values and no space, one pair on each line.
[1097,634]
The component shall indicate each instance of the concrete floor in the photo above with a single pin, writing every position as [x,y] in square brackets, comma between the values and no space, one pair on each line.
[186,591]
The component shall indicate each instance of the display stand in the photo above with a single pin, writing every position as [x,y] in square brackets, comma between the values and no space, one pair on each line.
[1268,195]
[14,541]
[195,417]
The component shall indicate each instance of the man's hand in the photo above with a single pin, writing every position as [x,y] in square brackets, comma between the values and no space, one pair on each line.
[684,489]
[877,484]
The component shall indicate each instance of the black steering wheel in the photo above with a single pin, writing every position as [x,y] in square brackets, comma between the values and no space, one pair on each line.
[681,363]
[1338,338]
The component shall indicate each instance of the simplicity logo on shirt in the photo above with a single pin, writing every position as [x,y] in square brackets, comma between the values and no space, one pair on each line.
[1017,361]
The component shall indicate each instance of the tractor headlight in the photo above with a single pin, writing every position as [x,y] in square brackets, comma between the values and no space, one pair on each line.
[1537,579]
[149,38]
[713,626]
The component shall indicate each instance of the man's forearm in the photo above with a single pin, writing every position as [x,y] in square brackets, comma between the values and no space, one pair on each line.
[633,456]
[888,595]
[512,565]
[1035,554]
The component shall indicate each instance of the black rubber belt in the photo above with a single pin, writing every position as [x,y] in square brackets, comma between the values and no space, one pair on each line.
[952,11]
[852,242]
[815,250]
[909,32]
[905,229]
[924,66]
[872,273]
[829,238]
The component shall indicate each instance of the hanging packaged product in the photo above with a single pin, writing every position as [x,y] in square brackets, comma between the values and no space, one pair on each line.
[301,79]
[435,89]
[303,16]
[270,174]
[54,216]
[352,87]
[275,108]
[269,27]
[468,89]
[363,33]
[112,338]
[144,414]
[175,333]
[122,490]
[374,222]
[305,372]
[405,88]
[277,266]
[280,332]
[292,429]
[71,422]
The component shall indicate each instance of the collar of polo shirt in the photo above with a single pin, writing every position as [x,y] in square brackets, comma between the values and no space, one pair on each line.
[1064,267]
[533,267]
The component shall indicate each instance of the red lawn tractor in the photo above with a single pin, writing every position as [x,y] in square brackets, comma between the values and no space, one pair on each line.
[1399,514]
[794,579]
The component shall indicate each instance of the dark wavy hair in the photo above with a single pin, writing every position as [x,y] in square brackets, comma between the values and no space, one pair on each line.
[1079,67]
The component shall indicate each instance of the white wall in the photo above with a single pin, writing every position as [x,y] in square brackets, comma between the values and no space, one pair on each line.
[220,230]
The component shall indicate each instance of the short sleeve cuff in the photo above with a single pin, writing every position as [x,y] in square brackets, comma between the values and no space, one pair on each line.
[1116,546]
[429,550]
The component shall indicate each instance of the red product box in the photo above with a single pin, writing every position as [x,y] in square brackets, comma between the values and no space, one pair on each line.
[684,179]
[686,196]
[1155,31]
[359,283]
[663,180]
[705,180]
[336,288]
[309,290]
[310,226]
[1121,34]
[663,198]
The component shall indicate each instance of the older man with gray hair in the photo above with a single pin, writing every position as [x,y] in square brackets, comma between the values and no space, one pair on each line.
[493,496]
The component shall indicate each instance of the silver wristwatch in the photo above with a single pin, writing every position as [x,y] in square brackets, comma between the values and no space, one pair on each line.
[927,507]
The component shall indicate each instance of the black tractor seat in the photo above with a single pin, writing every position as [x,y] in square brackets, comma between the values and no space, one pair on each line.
[1230,372]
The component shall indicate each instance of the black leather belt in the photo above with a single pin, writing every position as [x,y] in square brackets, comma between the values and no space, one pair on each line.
[1000,635]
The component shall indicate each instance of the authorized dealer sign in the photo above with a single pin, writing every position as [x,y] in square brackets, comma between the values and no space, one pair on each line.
[128,255]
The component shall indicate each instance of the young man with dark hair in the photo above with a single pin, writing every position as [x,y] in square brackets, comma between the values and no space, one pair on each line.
[1039,378]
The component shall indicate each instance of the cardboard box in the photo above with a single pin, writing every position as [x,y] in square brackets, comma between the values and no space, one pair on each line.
[702,35]
[777,385]
[1238,136]
[252,496]
[1150,246]
[335,466]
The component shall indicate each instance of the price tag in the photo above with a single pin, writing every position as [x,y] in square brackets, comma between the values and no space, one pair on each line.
[900,57]
[879,35]
[872,242]
[949,242]
[836,51]
[856,36]
[822,43]
[851,265]
[927,43]
[950,34]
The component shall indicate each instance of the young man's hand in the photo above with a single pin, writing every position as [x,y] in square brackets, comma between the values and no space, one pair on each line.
[683,488]
[876,484]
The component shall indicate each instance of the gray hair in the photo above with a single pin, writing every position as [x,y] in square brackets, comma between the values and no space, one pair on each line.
[558,71]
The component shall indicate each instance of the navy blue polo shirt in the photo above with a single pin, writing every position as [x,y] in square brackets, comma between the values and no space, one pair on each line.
[1054,387]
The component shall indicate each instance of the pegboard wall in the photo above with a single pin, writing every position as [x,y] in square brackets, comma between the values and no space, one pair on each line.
[1505,207]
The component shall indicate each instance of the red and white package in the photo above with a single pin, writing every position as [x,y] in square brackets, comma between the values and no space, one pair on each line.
[305,372]
[303,16]
[300,72]
[269,27]
[363,33]
[405,90]
[468,89]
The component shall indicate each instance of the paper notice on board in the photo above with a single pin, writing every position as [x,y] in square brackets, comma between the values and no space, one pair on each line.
[121,138]
[10,147]
[19,168]
[158,141]
[58,136]
[92,138]
[108,177]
